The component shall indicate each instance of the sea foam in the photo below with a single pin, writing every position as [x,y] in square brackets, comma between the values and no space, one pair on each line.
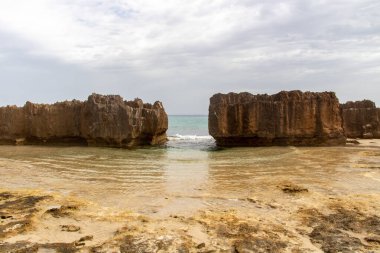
[189,137]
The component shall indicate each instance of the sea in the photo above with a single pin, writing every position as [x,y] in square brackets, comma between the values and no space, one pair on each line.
[189,170]
[189,132]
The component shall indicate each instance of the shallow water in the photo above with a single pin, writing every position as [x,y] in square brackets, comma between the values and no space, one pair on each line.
[143,180]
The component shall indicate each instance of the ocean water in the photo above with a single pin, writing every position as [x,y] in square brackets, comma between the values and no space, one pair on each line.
[189,132]
[190,126]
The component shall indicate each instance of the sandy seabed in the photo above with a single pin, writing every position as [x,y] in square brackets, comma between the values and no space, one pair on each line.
[288,216]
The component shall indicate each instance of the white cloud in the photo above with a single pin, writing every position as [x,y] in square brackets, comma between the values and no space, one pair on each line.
[101,32]
[216,45]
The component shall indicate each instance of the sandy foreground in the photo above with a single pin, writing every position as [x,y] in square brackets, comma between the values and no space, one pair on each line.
[297,219]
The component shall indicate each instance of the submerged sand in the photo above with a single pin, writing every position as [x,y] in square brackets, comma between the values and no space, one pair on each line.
[329,203]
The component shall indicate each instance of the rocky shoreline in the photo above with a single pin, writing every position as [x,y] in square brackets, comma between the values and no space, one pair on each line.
[40,222]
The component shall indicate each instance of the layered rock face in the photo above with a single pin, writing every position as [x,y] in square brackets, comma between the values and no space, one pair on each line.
[361,119]
[99,121]
[286,118]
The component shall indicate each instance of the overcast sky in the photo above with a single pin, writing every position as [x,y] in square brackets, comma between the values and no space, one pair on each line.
[182,52]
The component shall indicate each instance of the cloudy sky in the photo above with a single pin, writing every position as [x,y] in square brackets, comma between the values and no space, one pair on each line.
[182,52]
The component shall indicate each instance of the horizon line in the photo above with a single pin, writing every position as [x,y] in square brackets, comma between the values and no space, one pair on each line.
[188,115]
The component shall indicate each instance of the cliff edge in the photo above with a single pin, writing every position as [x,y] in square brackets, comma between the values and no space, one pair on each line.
[99,121]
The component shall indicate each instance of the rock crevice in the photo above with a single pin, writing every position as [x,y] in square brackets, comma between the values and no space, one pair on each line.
[99,121]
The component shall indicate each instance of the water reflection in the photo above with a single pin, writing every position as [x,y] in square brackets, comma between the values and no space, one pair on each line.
[94,173]
[176,177]
[186,171]
[241,172]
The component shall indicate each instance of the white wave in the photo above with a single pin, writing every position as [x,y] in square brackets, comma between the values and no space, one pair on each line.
[189,137]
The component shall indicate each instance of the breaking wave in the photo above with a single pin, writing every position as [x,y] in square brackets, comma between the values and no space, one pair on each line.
[179,137]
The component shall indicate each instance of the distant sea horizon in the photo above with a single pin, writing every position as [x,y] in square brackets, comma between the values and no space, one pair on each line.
[190,115]
[188,125]
[189,131]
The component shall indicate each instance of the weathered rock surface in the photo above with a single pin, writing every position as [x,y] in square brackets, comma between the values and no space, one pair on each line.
[99,121]
[361,119]
[286,118]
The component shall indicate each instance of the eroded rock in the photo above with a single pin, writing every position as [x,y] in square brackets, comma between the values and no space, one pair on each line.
[373,240]
[338,225]
[361,119]
[17,212]
[286,118]
[293,189]
[233,234]
[27,247]
[62,211]
[70,228]
[342,230]
[99,121]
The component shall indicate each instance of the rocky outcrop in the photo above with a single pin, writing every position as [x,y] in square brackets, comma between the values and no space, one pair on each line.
[361,119]
[286,118]
[99,121]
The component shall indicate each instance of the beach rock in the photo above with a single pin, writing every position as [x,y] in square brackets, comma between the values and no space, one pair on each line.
[70,228]
[86,238]
[99,121]
[373,240]
[293,189]
[361,119]
[353,141]
[62,211]
[342,229]
[287,118]
[17,213]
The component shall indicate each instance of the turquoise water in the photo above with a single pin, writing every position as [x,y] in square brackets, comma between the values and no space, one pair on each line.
[188,125]
[189,132]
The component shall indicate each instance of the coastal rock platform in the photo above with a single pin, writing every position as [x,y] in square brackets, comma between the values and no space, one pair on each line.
[99,121]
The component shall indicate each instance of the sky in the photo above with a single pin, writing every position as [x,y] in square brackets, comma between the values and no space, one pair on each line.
[183,52]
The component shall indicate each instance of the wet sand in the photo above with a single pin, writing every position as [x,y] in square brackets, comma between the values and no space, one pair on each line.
[234,200]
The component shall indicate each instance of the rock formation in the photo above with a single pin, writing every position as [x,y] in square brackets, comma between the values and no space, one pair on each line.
[99,121]
[361,119]
[286,118]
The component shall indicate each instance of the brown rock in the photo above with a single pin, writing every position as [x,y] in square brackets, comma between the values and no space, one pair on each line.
[70,228]
[86,238]
[373,239]
[99,121]
[286,118]
[361,119]
[201,245]
[290,188]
